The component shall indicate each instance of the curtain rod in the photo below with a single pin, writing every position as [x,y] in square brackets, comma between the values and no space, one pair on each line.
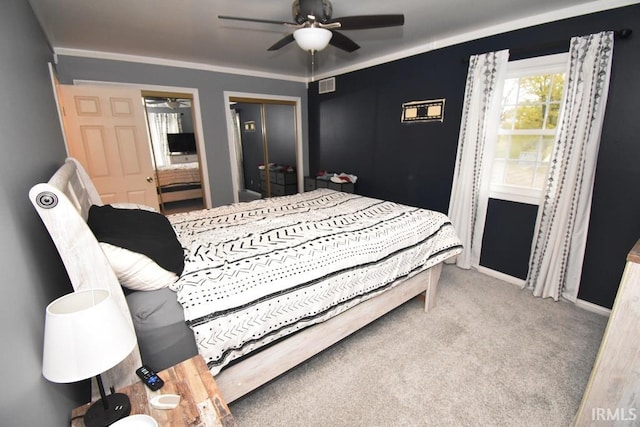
[563,45]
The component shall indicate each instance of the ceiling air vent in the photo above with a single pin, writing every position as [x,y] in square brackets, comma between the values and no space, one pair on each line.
[327,85]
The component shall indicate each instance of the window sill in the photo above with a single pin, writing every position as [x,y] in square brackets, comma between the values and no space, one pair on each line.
[518,197]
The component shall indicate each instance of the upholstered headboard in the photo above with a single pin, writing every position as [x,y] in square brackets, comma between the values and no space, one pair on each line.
[63,205]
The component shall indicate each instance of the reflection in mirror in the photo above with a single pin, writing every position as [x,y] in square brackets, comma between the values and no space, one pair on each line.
[175,155]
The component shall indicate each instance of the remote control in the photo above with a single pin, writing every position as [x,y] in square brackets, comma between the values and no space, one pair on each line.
[149,377]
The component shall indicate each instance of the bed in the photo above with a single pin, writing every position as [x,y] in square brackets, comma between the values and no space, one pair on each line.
[253,272]
[179,182]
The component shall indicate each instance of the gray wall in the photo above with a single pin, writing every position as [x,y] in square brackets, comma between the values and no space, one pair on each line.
[211,86]
[32,274]
[32,148]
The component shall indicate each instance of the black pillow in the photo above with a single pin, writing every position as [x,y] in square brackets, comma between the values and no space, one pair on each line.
[142,231]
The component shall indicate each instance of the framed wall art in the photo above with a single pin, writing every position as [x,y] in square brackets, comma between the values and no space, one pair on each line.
[423,111]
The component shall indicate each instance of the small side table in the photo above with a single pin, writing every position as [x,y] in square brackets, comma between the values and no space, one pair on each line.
[201,403]
[311,183]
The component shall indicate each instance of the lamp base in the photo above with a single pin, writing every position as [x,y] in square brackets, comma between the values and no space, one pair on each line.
[118,406]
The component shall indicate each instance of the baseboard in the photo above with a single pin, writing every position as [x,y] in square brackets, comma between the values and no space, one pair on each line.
[585,305]
[501,276]
[594,308]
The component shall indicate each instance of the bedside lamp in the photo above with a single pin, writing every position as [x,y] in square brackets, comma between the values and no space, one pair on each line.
[85,334]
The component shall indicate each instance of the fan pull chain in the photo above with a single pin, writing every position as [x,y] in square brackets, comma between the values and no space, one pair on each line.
[313,65]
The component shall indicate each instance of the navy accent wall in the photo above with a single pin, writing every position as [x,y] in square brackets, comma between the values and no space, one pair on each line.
[506,243]
[357,130]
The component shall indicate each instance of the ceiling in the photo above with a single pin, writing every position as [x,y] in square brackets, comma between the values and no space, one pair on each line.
[188,32]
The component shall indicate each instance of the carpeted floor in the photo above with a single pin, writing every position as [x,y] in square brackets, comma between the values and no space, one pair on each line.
[489,354]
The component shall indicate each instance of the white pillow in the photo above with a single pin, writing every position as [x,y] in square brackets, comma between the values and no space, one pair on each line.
[136,271]
[124,205]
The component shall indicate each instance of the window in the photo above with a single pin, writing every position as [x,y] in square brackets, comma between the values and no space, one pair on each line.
[531,101]
[160,124]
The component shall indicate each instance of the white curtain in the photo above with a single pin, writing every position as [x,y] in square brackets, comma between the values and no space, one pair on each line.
[160,124]
[476,146]
[237,142]
[560,236]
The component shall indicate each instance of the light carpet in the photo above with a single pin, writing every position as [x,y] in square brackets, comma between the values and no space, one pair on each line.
[489,354]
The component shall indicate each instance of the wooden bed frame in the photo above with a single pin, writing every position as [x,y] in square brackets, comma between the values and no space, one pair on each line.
[173,185]
[168,196]
[63,204]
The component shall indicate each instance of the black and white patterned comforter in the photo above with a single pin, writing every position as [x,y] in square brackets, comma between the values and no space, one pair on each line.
[258,271]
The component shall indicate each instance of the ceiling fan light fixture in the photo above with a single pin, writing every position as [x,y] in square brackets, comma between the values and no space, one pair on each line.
[313,39]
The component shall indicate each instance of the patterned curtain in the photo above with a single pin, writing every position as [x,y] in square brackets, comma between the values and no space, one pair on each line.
[237,142]
[469,193]
[160,124]
[561,229]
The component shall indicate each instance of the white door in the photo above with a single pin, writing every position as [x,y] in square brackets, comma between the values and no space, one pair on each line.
[107,132]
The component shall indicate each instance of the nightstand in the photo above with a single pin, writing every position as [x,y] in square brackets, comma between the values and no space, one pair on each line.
[201,403]
[311,183]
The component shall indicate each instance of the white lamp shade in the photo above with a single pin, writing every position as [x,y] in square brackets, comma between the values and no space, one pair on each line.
[312,38]
[85,334]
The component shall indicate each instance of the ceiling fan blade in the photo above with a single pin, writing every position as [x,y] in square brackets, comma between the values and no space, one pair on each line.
[282,42]
[263,21]
[343,42]
[330,26]
[365,22]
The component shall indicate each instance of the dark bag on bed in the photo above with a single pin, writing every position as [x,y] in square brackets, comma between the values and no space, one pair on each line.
[142,231]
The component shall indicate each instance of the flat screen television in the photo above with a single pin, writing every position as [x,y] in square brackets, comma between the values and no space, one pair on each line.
[182,143]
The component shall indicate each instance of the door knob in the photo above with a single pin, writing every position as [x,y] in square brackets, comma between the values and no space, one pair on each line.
[149,179]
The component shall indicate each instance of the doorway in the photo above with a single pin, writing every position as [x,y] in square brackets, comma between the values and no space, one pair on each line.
[154,90]
[174,150]
[265,145]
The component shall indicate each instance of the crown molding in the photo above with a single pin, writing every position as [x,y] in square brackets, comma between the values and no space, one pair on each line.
[114,56]
[530,21]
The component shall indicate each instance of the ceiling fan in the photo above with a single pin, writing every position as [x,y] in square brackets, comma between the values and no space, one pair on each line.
[315,28]
[173,103]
